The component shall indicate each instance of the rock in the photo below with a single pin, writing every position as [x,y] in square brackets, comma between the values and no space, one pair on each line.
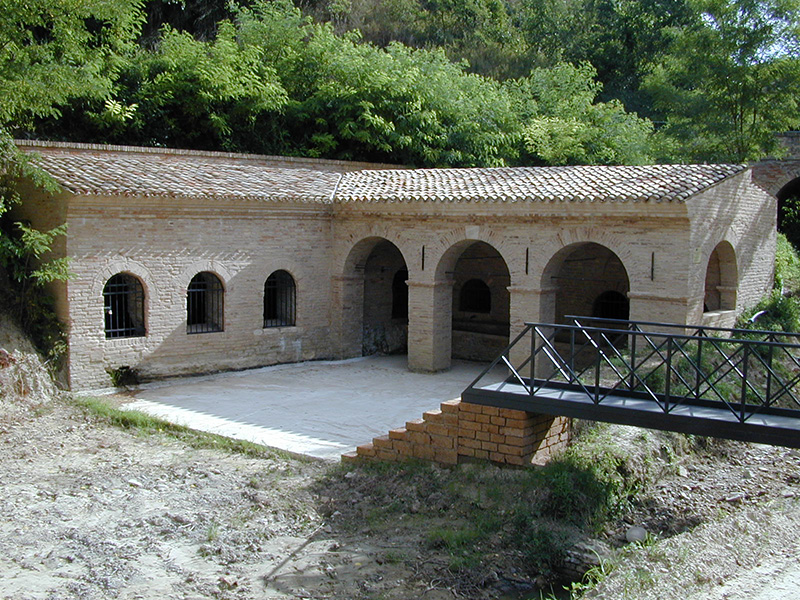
[636,534]
[134,483]
[735,497]
[683,471]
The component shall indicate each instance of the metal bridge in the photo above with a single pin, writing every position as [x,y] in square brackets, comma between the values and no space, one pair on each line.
[729,383]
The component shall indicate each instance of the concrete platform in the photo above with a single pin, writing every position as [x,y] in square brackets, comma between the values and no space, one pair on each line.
[320,409]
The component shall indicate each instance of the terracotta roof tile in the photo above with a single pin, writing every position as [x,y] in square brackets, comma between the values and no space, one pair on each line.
[126,171]
[652,183]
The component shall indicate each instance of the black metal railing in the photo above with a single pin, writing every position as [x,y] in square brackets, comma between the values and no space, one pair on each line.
[744,371]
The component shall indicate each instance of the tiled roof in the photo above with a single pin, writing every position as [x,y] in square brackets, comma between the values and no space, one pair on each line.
[126,171]
[653,183]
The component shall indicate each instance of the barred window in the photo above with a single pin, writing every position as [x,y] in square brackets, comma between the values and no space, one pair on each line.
[204,304]
[279,300]
[123,304]
[475,297]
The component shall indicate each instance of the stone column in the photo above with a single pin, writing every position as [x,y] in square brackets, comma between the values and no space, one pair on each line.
[430,324]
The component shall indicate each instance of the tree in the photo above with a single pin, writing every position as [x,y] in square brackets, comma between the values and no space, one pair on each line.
[728,84]
[564,124]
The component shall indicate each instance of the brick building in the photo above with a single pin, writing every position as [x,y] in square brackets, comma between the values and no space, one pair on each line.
[190,262]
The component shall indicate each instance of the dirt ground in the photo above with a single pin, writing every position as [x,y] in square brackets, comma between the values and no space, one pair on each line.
[93,511]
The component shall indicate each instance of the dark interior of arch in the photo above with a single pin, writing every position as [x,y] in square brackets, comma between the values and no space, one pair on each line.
[385,322]
[481,303]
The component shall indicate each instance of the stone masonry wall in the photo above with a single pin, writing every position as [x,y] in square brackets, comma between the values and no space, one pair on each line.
[460,431]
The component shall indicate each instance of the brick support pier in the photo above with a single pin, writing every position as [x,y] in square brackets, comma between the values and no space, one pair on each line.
[463,431]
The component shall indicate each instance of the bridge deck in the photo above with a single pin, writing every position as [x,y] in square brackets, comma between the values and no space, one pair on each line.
[770,426]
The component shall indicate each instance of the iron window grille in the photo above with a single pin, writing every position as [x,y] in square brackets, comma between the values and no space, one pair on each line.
[475,297]
[280,306]
[123,306]
[204,304]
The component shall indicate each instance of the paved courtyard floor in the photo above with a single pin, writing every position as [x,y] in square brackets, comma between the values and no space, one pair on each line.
[320,409]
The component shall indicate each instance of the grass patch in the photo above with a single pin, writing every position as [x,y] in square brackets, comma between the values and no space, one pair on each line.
[144,424]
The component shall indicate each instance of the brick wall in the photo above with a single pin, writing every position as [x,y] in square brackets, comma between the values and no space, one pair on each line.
[460,431]
[664,248]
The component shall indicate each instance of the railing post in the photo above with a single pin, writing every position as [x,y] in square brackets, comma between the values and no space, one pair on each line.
[742,400]
[698,368]
[571,354]
[770,339]
[633,361]
[668,380]
[597,379]
[534,331]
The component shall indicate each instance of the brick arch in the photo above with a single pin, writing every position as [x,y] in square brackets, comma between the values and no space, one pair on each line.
[369,321]
[124,265]
[576,289]
[773,176]
[476,334]
[451,245]
[721,278]
[201,266]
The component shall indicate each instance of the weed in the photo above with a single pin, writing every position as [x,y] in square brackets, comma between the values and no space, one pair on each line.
[212,533]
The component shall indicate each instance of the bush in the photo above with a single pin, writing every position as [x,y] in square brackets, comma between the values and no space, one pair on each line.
[787,266]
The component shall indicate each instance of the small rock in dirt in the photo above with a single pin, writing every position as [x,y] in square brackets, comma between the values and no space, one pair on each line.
[788,494]
[735,497]
[636,534]
[683,471]
[134,483]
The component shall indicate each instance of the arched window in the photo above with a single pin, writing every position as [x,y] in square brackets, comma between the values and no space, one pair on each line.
[279,300]
[611,305]
[123,304]
[400,295]
[204,304]
[475,297]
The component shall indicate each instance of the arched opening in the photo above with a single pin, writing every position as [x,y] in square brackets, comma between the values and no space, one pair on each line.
[481,303]
[123,306]
[375,299]
[789,211]
[586,279]
[205,304]
[280,306]
[721,279]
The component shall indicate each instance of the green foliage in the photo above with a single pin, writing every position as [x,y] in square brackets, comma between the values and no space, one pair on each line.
[731,81]
[787,266]
[25,267]
[778,313]
[565,124]
[54,50]
[189,93]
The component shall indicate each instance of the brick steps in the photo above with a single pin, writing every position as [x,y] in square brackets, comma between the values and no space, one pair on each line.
[463,431]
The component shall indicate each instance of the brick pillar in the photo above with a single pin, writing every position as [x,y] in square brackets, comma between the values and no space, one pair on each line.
[526,306]
[430,324]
